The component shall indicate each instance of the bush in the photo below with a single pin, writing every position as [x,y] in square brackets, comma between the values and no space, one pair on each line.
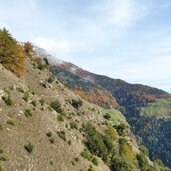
[56,105]
[11,122]
[86,154]
[34,103]
[77,159]
[29,147]
[42,102]
[143,162]
[51,79]
[41,66]
[121,164]
[76,103]
[60,118]
[107,116]
[112,133]
[4,157]
[73,125]
[144,150]
[98,144]
[49,134]
[69,142]
[94,161]
[8,100]
[52,140]
[62,135]
[121,129]
[26,95]
[28,113]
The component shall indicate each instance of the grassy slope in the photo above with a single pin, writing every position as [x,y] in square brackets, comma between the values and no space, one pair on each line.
[161,108]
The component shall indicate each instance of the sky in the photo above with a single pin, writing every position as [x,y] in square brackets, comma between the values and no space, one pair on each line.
[126,39]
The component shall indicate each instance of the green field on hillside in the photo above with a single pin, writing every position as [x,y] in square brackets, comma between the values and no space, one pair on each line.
[115,116]
[161,109]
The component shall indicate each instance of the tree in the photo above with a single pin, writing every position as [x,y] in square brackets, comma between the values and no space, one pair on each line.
[28,49]
[12,56]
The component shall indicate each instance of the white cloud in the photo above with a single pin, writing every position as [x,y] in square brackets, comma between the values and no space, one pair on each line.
[121,13]
[57,48]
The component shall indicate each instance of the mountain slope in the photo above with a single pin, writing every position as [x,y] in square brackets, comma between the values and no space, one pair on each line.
[152,131]
[46,127]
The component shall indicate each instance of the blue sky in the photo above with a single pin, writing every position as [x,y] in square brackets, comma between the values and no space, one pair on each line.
[127,39]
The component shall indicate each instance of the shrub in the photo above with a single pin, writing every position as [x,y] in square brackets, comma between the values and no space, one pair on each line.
[144,150]
[121,164]
[56,105]
[77,159]
[121,129]
[42,102]
[51,79]
[26,95]
[112,133]
[97,143]
[29,147]
[143,162]
[49,134]
[52,140]
[76,103]
[41,66]
[28,113]
[126,150]
[4,157]
[72,162]
[60,118]
[51,162]
[69,142]
[34,103]
[91,168]
[8,100]
[46,61]
[11,122]
[86,154]
[62,135]
[73,125]
[94,161]
[107,116]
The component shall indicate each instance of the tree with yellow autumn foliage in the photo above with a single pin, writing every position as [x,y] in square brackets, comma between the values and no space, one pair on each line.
[12,55]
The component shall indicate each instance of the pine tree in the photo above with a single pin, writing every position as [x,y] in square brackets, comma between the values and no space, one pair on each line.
[12,55]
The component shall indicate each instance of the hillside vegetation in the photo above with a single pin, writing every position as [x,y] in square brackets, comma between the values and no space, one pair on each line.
[150,129]
[46,127]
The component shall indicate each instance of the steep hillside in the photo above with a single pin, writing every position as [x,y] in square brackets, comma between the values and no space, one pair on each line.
[150,131]
[46,127]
